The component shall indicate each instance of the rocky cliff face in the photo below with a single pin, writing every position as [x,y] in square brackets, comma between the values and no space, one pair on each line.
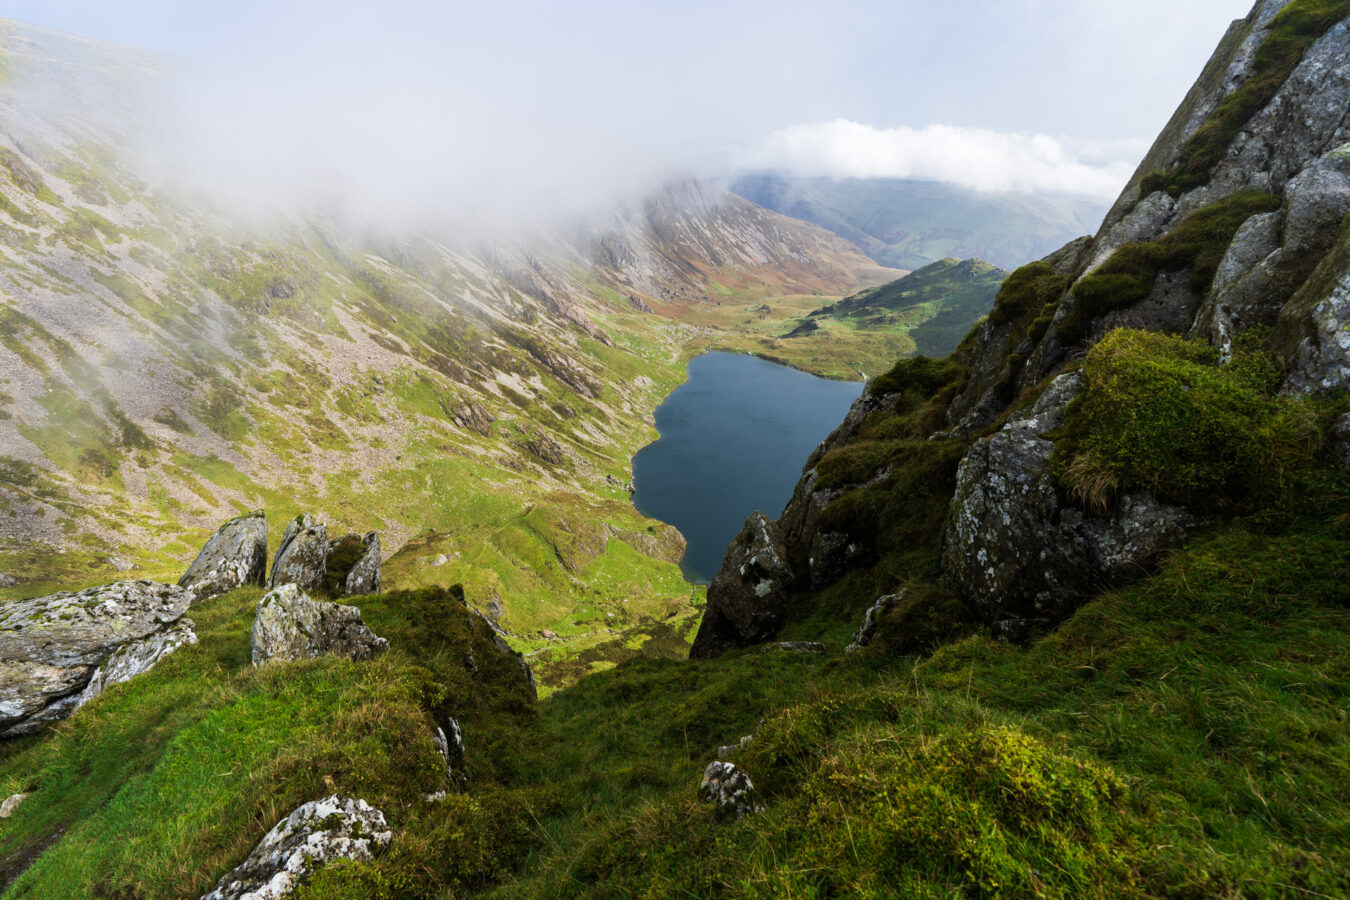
[1233,233]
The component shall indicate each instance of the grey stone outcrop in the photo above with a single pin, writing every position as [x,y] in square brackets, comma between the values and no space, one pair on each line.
[290,626]
[234,556]
[10,804]
[730,789]
[364,576]
[868,629]
[60,651]
[449,743]
[748,596]
[1018,552]
[809,648]
[302,555]
[317,833]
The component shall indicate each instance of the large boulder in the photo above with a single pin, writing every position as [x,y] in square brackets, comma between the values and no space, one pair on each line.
[290,625]
[60,651]
[748,596]
[302,556]
[316,833]
[1018,552]
[235,555]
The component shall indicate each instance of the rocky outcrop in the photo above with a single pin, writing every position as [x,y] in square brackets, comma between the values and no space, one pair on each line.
[59,651]
[748,596]
[868,629]
[1018,552]
[730,789]
[10,804]
[364,575]
[315,834]
[302,556]
[235,555]
[810,648]
[449,743]
[291,626]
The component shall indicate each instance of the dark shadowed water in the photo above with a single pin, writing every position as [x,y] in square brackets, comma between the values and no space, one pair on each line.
[733,440]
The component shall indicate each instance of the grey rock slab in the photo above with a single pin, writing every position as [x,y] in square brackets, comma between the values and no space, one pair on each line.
[302,556]
[317,833]
[61,650]
[290,626]
[234,556]
[1018,552]
[868,629]
[748,596]
[730,789]
[364,577]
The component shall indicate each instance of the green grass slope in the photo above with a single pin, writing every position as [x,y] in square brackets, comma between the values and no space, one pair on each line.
[935,306]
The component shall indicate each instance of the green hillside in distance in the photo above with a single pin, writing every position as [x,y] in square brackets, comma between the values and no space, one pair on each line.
[908,224]
[937,303]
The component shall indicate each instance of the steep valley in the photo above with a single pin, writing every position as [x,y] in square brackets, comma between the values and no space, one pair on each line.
[1061,613]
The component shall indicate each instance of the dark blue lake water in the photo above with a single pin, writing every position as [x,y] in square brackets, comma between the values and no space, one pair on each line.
[733,440]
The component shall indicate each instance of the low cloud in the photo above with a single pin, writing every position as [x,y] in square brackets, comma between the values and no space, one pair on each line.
[971,157]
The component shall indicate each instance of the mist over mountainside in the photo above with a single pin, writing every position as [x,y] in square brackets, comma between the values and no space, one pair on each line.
[165,367]
[908,224]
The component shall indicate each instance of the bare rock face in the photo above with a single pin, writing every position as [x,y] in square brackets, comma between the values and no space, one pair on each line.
[316,833]
[729,788]
[449,743]
[868,629]
[748,596]
[60,651]
[302,556]
[1017,552]
[364,576]
[292,626]
[235,555]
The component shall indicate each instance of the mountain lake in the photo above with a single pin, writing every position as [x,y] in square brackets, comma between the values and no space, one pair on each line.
[733,440]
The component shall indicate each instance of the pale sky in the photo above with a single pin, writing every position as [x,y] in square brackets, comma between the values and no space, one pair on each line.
[564,97]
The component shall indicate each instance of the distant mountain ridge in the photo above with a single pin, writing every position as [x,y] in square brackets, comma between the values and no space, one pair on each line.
[907,224]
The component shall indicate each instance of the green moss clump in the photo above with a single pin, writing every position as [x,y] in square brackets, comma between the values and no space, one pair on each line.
[1028,294]
[1160,414]
[1292,32]
[1127,276]
[343,555]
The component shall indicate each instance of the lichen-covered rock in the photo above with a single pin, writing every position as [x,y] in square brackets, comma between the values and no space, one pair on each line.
[1313,331]
[10,804]
[315,834]
[729,788]
[868,629]
[364,576]
[290,625]
[807,647]
[302,556]
[130,660]
[748,596]
[1017,552]
[235,555]
[59,651]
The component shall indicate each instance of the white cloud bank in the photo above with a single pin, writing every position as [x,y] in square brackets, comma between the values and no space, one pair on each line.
[971,157]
